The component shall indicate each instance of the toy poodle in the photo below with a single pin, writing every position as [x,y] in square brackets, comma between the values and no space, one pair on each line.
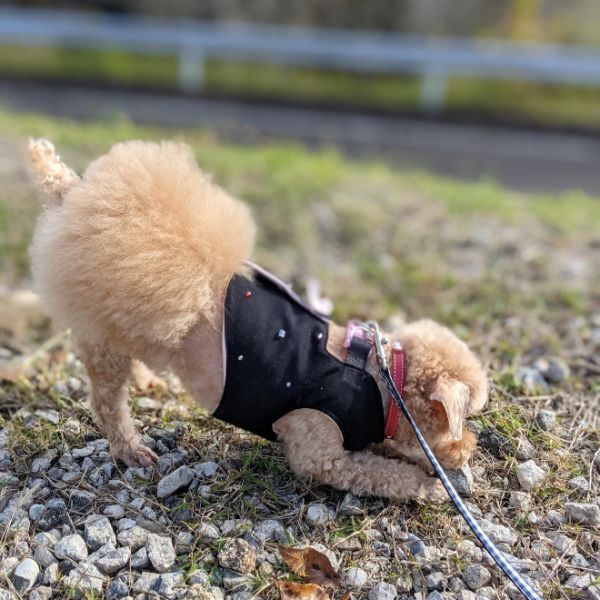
[147,261]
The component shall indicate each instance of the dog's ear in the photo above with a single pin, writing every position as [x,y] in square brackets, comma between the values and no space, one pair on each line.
[454,397]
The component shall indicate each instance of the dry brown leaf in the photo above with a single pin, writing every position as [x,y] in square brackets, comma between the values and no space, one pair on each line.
[310,563]
[347,596]
[290,590]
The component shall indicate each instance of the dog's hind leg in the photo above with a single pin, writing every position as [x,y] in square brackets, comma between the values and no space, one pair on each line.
[314,448]
[109,374]
[143,378]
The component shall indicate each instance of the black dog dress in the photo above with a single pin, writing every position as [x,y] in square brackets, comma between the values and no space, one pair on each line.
[277,361]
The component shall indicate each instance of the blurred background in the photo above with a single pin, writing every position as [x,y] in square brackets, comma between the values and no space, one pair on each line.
[420,158]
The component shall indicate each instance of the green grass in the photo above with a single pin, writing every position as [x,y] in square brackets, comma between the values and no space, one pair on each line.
[533,102]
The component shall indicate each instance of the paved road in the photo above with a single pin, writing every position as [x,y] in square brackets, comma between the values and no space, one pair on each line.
[521,159]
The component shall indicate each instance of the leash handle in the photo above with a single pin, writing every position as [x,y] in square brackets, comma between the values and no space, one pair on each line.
[525,589]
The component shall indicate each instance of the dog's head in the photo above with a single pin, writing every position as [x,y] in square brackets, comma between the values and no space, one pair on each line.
[444,384]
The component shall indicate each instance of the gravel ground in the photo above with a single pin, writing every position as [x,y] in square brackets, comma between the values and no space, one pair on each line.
[207,521]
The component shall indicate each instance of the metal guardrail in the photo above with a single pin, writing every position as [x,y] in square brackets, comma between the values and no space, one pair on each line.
[435,60]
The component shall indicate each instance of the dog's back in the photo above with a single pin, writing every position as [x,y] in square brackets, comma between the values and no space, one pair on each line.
[139,247]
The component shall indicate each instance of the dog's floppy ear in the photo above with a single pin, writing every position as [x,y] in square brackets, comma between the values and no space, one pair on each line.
[454,396]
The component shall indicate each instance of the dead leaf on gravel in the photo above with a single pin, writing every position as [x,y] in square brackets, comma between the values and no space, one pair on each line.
[289,590]
[310,563]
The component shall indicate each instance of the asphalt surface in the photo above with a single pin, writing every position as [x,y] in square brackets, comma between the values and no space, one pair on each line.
[540,161]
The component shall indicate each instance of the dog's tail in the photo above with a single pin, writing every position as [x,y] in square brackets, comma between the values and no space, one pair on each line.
[51,174]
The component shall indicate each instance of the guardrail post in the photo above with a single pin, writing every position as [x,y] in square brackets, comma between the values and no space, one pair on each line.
[433,90]
[190,69]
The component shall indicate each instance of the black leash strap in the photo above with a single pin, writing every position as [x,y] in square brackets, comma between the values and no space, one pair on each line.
[500,559]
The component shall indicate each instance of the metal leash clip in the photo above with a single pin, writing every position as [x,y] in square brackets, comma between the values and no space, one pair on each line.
[378,343]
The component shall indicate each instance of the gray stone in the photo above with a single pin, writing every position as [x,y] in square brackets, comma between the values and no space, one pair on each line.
[525,449]
[318,514]
[382,591]
[35,511]
[579,483]
[552,369]
[168,584]
[476,576]
[98,531]
[545,419]
[586,514]
[146,582]
[207,532]
[233,527]
[470,550]
[25,575]
[466,595]
[237,555]
[44,556]
[351,506]
[7,478]
[140,559]
[80,499]
[114,511]
[207,470]
[417,547]
[593,592]
[531,379]
[83,452]
[355,577]
[200,577]
[520,501]
[580,561]
[51,574]
[555,518]
[160,552]
[85,579]
[114,560]
[135,537]
[71,547]
[124,524]
[41,464]
[116,590]
[54,514]
[435,581]
[176,480]
[236,581]
[270,529]
[499,533]
[462,480]
[579,582]
[41,593]
[171,460]
[564,544]
[530,475]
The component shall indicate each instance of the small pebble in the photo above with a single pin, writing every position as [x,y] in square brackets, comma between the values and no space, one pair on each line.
[545,419]
[318,514]
[530,475]
[586,514]
[25,575]
[175,481]
[382,591]
[476,576]
[355,577]
[237,555]
[161,552]
[552,369]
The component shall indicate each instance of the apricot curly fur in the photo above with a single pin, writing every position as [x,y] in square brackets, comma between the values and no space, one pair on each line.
[136,256]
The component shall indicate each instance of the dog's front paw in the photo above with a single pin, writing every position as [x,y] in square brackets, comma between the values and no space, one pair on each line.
[137,456]
[434,491]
